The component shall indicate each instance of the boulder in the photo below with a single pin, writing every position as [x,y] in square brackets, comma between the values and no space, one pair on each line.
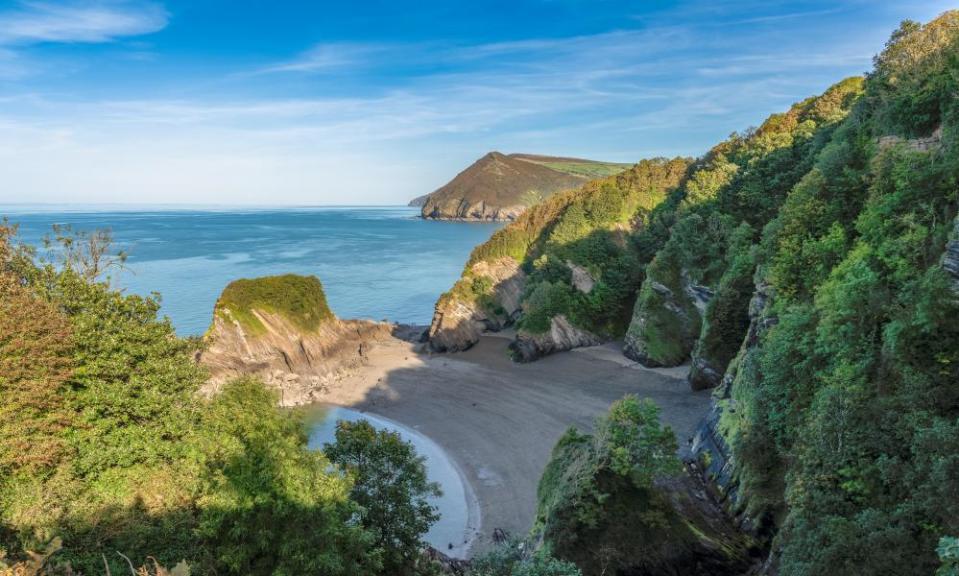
[561,336]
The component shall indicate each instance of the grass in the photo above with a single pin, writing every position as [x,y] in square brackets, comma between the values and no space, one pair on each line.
[588,169]
[299,299]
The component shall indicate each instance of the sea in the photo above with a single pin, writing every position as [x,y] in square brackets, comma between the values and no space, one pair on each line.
[374,262]
[378,263]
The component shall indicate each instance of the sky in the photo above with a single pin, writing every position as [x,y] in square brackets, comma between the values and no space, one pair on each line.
[229,102]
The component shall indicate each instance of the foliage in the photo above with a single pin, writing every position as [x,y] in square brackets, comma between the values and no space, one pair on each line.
[391,486]
[517,559]
[589,228]
[697,236]
[598,506]
[846,426]
[88,253]
[273,507]
[727,316]
[299,299]
[107,446]
[948,551]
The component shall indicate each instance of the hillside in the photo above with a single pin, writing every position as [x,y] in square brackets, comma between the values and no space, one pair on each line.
[501,187]
[807,269]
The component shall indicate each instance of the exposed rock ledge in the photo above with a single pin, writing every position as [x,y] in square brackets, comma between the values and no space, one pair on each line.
[301,365]
[561,336]
[459,319]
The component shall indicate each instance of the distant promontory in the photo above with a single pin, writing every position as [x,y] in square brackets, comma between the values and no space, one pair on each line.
[501,186]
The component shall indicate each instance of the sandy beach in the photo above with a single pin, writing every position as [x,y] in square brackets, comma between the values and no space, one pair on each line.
[499,420]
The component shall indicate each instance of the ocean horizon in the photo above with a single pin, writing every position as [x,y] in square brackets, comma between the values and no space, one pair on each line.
[375,262]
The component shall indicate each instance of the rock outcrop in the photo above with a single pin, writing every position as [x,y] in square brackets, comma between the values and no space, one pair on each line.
[501,187]
[710,448]
[561,336]
[931,142]
[300,363]
[666,320]
[581,278]
[950,258]
[462,314]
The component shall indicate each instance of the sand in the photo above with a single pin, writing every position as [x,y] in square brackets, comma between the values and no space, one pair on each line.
[498,420]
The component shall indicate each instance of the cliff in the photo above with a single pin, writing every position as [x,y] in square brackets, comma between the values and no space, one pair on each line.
[501,187]
[281,329]
[564,272]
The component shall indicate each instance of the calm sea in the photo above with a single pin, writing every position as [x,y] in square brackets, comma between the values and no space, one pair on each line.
[375,262]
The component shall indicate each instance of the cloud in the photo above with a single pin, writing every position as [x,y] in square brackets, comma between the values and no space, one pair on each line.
[79,22]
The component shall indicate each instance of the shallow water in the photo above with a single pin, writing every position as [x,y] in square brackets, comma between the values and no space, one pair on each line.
[454,526]
[374,262]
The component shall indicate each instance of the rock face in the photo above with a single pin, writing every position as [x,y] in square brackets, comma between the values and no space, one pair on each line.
[300,363]
[461,317]
[501,187]
[931,142]
[666,321]
[710,449]
[561,336]
[950,258]
[582,279]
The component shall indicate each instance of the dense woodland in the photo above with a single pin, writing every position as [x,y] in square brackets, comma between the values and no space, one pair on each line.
[831,337]
[840,410]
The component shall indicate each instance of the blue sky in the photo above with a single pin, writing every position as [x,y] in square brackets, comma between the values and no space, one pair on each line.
[374,102]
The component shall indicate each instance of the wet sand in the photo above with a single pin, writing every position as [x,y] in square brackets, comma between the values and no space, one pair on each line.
[499,420]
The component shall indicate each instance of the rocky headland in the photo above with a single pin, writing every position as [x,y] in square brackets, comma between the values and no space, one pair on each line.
[502,186]
[280,329]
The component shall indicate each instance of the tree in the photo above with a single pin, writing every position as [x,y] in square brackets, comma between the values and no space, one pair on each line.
[89,254]
[391,485]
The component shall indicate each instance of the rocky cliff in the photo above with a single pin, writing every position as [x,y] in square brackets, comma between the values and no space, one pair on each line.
[256,332]
[667,317]
[488,300]
[563,273]
[501,187]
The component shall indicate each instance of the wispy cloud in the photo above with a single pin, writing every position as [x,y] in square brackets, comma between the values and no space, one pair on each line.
[323,57]
[79,22]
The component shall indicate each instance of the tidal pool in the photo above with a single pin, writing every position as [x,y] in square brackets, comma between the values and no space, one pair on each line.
[458,512]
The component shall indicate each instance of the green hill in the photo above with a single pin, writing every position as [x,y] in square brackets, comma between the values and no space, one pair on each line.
[501,187]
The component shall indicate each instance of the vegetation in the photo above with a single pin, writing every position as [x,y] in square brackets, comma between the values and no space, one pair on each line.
[299,299]
[519,559]
[949,556]
[389,482]
[587,168]
[616,502]
[598,506]
[108,452]
[494,185]
[843,414]
[706,230]
[588,227]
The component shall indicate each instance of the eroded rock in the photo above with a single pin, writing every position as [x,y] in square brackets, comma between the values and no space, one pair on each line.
[301,365]
[460,318]
[561,336]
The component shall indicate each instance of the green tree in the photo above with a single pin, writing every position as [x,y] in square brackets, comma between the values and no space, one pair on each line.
[518,559]
[391,486]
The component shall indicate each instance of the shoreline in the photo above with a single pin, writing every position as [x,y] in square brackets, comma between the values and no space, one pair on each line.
[460,550]
[497,421]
